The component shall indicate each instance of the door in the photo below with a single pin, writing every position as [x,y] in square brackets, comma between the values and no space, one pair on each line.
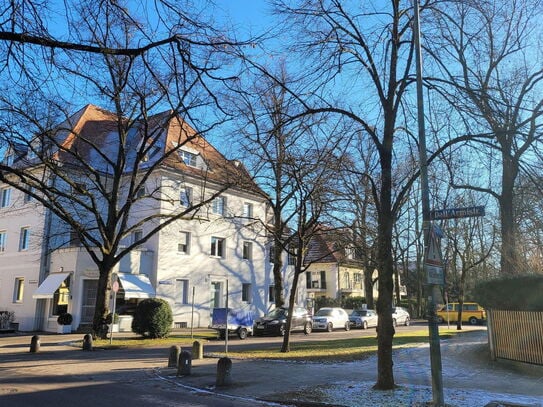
[90,288]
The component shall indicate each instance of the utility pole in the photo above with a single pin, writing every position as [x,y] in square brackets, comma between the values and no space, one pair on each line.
[433,283]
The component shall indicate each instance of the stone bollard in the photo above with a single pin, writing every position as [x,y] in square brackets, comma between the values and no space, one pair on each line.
[224,372]
[175,350]
[35,344]
[197,350]
[185,363]
[87,342]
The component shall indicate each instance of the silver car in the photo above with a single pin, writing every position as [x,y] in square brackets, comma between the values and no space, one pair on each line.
[328,319]
[363,318]
[400,316]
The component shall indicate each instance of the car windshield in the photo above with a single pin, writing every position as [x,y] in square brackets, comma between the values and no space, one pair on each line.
[361,313]
[324,312]
[277,313]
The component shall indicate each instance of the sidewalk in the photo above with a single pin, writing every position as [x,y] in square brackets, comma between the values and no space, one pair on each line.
[469,378]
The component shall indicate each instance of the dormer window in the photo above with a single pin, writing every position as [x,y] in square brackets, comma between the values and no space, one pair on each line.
[188,158]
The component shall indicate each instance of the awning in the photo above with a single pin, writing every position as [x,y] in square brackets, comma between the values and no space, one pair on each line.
[50,285]
[136,286]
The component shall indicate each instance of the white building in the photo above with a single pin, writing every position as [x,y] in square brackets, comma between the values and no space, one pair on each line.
[191,263]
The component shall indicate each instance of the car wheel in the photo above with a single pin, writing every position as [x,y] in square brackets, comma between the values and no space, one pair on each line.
[242,333]
[406,323]
[347,326]
[329,327]
[473,321]
[440,320]
[365,325]
[307,328]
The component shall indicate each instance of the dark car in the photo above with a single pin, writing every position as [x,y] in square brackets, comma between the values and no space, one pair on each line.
[275,323]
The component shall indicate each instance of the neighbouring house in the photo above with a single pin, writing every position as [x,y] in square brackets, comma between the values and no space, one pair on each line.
[333,268]
[193,263]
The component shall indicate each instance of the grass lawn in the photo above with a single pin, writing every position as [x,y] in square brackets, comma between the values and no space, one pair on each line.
[319,350]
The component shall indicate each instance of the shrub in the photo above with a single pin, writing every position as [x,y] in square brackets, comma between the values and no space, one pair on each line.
[321,302]
[153,318]
[110,318]
[353,302]
[514,293]
[65,319]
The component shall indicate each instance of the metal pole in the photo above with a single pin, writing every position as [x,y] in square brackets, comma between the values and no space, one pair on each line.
[226,329]
[192,316]
[433,328]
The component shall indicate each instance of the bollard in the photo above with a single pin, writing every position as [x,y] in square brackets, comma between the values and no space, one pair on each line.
[174,356]
[185,363]
[224,372]
[87,342]
[35,344]
[197,350]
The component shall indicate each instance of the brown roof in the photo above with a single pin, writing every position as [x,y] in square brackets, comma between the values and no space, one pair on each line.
[93,128]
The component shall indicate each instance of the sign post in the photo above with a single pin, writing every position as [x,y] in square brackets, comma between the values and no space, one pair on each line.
[114,289]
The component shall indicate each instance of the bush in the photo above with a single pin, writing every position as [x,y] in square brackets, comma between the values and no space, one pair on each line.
[65,319]
[353,302]
[153,318]
[513,293]
[321,302]
[112,318]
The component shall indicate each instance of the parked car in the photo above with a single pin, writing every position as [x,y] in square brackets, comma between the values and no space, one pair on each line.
[472,313]
[363,318]
[400,316]
[329,319]
[275,323]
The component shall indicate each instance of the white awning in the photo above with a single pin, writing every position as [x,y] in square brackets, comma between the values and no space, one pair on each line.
[50,285]
[136,286]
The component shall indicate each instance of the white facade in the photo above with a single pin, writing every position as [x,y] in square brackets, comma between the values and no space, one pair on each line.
[193,263]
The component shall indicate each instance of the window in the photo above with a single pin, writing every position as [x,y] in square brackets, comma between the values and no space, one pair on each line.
[140,193]
[183,246]
[19,289]
[247,250]
[28,197]
[246,292]
[75,239]
[3,237]
[292,256]
[247,210]
[137,235]
[188,158]
[5,197]
[185,196]
[181,291]
[218,205]
[24,239]
[357,278]
[271,254]
[217,247]
[9,160]
[316,279]
[271,293]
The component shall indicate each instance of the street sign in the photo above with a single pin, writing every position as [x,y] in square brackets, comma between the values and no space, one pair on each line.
[434,274]
[453,213]
[433,261]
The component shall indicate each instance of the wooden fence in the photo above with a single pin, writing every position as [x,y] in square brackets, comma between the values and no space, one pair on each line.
[516,335]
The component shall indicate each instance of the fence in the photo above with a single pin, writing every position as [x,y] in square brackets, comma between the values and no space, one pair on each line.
[516,335]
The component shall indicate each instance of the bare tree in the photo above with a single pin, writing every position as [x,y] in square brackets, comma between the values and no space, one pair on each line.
[95,175]
[485,50]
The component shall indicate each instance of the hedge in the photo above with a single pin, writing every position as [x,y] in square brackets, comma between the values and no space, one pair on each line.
[514,293]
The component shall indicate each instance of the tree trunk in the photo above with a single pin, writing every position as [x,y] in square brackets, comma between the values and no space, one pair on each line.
[509,257]
[102,300]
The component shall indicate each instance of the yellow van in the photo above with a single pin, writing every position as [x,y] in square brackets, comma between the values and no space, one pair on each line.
[472,313]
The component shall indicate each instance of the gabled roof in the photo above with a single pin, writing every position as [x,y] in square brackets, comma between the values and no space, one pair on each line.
[93,131]
[328,245]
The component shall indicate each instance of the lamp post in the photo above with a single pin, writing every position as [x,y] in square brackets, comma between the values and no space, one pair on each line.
[433,285]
